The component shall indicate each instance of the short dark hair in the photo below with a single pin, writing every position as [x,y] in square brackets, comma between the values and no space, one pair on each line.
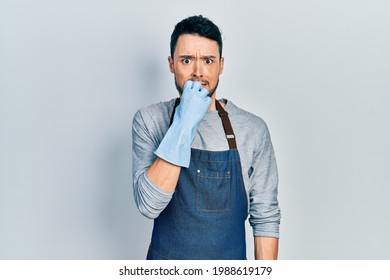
[197,25]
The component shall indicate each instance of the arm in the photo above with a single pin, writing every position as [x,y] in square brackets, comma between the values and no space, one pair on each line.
[155,178]
[266,248]
[264,206]
[147,132]
[164,174]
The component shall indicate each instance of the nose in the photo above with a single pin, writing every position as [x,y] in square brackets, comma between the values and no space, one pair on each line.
[197,72]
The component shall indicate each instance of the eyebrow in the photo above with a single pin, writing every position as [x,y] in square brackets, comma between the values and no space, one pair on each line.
[192,56]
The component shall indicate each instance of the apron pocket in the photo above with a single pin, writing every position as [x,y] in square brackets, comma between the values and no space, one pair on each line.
[212,190]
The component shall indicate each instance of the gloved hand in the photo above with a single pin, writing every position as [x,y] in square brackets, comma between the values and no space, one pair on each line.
[176,144]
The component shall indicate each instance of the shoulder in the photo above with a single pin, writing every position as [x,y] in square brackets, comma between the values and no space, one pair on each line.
[156,112]
[251,130]
[243,118]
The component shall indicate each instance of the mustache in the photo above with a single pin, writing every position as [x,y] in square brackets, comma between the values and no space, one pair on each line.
[211,91]
[201,81]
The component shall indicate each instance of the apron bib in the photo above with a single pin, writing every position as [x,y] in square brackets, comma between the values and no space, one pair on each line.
[205,219]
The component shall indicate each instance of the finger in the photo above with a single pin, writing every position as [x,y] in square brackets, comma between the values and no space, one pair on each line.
[187,85]
[204,92]
[196,86]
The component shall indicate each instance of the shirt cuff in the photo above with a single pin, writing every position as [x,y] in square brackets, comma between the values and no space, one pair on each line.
[153,199]
[266,230]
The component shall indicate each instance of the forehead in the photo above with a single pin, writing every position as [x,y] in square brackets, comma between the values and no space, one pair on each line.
[189,44]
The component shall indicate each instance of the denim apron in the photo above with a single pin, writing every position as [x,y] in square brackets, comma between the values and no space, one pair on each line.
[205,218]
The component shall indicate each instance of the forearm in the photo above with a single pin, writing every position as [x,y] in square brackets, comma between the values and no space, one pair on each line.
[164,174]
[266,248]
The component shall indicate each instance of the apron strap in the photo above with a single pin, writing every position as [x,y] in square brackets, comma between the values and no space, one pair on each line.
[227,127]
[177,102]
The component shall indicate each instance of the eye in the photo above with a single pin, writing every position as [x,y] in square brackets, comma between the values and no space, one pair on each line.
[208,61]
[186,61]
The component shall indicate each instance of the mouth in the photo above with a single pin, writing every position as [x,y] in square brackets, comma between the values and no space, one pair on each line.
[204,84]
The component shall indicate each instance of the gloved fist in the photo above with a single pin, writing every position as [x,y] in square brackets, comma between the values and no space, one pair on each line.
[176,144]
[194,104]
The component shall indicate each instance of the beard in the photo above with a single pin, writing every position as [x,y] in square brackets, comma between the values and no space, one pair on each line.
[211,91]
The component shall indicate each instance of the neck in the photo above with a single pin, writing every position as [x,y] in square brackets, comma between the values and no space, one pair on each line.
[212,105]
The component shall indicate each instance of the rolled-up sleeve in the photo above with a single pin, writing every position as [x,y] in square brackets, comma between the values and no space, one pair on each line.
[149,199]
[264,207]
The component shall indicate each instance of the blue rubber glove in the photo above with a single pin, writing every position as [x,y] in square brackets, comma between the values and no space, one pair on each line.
[176,144]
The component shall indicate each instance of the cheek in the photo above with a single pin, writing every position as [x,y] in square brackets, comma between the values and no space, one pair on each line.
[180,79]
[213,75]
[182,74]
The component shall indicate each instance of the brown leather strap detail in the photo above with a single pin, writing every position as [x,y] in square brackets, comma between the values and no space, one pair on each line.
[177,102]
[231,138]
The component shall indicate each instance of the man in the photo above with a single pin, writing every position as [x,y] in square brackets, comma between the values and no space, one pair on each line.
[201,164]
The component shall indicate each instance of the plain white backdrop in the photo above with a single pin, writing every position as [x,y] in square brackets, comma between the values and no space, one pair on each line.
[73,73]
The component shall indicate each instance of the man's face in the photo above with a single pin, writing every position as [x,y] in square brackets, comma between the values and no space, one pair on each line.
[196,58]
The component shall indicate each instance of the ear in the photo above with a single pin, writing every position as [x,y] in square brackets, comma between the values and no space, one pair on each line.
[221,65]
[171,65]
